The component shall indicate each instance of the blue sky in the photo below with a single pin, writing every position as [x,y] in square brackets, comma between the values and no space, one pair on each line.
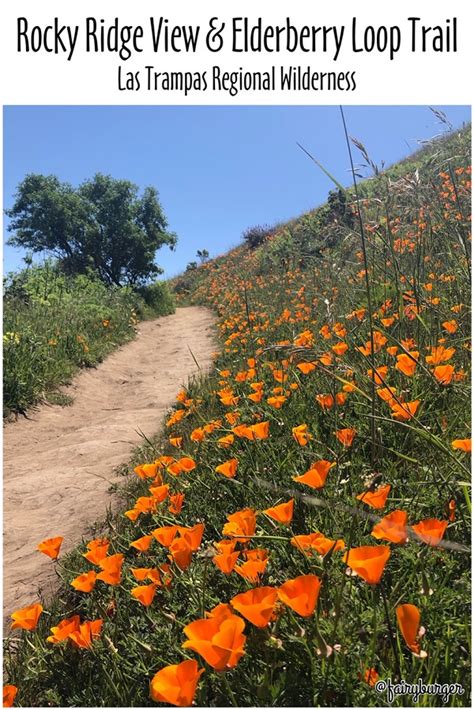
[218,169]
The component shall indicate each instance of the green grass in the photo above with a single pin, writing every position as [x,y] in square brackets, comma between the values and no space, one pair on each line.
[275,307]
[55,324]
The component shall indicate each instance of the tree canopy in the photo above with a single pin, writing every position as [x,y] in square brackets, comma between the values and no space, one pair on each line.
[103,224]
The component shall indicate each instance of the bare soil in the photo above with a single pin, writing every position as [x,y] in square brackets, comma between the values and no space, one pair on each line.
[60,462]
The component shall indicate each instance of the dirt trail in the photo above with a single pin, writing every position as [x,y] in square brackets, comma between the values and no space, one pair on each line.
[59,464]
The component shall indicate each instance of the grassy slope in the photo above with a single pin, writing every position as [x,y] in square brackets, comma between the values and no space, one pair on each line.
[286,303]
[54,325]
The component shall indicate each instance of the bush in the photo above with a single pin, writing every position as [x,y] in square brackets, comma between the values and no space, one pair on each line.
[256,236]
[158,298]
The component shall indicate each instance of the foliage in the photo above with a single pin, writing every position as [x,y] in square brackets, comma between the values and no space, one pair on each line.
[256,236]
[103,225]
[53,324]
[320,418]
[158,297]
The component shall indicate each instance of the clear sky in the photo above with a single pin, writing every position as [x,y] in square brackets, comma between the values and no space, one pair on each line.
[218,169]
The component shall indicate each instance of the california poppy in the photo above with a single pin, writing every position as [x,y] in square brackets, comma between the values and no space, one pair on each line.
[444,374]
[176,684]
[27,618]
[9,695]
[85,582]
[408,618]
[160,493]
[181,552]
[241,524]
[377,498]
[165,535]
[64,628]
[218,639]
[51,547]
[147,470]
[406,363]
[318,542]
[111,569]
[301,593]
[462,444]
[405,410]
[346,436]
[371,676]
[193,536]
[97,550]
[143,543]
[226,561]
[368,562]
[176,503]
[325,401]
[301,434]
[86,634]
[252,569]
[282,513]
[431,530]
[257,605]
[316,476]
[228,468]
[306,367]
[392,527]
[144,594]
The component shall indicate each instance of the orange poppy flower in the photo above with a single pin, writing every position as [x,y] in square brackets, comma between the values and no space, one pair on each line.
[325,401]
[260,430]
[431,530]
[185,464]
[176,503]
[144,594]
[318,542]
[111,569]
[147,470]
[378,375]
[368,562]
[27,618]
[176,685]
[226,561]
[462,444]
[85,582]
[9,695]
[241,524]
[306,367]
[377,498]
[346,436]
[301,593]
[159,493]
[444,374]
[226,441]
[387,393]
[256,396]
[193,536]
[181,552]
[143,543]
[371,677]
[97,550]
[406,363]
[450,326]
[252,569]
[317,474]
[86,634]
[197,435]
[165,535]
[301,434]
[257,605]
[51,547]
[228,468]
[392,527]
[64,628]
[439,355]
[218,639]
[339,348]
[282,513]
[408,618]
[405,410]
[176,441]
[277,402]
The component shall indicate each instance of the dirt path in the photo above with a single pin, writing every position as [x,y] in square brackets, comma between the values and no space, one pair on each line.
[59,464]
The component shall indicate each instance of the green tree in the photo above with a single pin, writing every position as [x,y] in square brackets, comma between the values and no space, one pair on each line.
[103,224]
